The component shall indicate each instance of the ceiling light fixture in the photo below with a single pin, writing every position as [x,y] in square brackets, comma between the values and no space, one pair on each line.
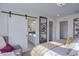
[60,3]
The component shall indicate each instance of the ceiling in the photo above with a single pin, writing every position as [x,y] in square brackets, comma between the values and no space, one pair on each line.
[44,9]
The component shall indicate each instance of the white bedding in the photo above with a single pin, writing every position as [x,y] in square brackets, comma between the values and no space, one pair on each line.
[7,54]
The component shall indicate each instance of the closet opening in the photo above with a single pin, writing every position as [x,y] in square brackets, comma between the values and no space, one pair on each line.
[31,27]
[63,29]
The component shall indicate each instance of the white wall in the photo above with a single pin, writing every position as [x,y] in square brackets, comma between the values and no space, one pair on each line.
[3,24]
[54,29]
[68,18]
[37,31]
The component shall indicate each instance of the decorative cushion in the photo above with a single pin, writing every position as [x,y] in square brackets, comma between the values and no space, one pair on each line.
[69,41]
[7,48]
[73,44]
[2,42]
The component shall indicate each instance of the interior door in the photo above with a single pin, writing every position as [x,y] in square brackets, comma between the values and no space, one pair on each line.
[50,30]
[17,31]
[63,29]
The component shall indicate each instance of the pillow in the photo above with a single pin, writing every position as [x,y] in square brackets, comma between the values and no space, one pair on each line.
[73,51]
[69,41]
[7,48]
[2,42]
[74,46]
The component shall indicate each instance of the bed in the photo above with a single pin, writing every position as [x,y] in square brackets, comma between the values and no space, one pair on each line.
[41,49]
[58,48]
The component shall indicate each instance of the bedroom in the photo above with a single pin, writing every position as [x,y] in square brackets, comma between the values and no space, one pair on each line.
[14,19]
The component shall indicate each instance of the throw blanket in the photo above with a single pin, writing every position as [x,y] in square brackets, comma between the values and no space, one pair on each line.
[57,51]
[41,49]
[61,51]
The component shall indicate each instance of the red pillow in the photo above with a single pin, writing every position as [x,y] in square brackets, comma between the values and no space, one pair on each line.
[7,48]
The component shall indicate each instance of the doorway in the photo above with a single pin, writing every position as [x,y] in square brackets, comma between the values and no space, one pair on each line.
[31,27]
[50,30]
[63,29]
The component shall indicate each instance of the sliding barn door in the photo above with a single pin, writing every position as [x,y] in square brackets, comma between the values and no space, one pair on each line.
[17,31]
[4,24]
